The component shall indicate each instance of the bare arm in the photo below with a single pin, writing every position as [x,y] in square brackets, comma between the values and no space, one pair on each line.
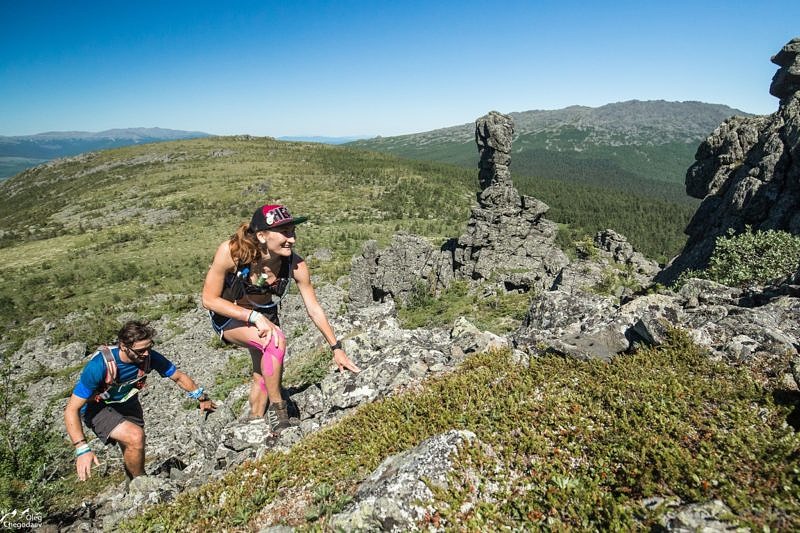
[72,421]
[215,282]
[185,382]
[317,315]
[213,300]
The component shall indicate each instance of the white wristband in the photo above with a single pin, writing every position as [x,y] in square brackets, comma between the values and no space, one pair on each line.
[253,317]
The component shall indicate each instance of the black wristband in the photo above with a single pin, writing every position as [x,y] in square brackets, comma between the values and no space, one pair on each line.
[203,398]
[336,346]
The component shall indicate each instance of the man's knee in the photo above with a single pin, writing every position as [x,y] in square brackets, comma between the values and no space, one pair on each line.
[129,435]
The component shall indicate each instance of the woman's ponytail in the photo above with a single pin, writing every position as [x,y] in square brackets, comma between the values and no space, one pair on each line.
[244,248]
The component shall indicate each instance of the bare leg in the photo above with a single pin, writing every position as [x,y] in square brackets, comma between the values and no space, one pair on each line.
[244,336]
[131,441]
[273,382]
[258,397]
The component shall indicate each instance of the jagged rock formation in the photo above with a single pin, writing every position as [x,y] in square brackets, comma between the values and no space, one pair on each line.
[507,241]
[758,328]
[409,263]
[747,172]
[607,264]
[507,237]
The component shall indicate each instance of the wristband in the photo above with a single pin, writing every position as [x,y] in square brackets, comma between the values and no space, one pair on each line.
[195,394]
[251,319]
[79,442]
[82,450]
[336,346]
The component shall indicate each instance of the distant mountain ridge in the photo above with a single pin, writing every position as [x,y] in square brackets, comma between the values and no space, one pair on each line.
[322,139]
[18,153]
[631,122]
[640,146]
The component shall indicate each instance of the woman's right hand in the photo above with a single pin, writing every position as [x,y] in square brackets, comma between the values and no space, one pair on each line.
[269,332]
[83,464]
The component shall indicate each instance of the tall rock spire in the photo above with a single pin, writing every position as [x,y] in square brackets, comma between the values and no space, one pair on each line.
[507,238]
[507,242]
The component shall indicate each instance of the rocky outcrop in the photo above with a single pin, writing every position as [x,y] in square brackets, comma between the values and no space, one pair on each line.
[608,264]
[745,327]
[410,263]
[507,242]
[747,172]
[507,238]
[396,496]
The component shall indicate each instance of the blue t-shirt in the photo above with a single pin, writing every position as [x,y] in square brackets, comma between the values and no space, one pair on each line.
[94,373]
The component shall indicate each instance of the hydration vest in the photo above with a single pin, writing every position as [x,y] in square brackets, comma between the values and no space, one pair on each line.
[110,380]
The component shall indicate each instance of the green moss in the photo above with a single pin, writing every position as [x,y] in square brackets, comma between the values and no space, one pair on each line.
[307,368]
[576,445]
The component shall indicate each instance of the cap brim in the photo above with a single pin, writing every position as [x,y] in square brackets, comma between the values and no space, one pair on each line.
[295,221]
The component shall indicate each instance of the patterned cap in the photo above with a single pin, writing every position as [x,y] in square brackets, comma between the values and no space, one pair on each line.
[269,217]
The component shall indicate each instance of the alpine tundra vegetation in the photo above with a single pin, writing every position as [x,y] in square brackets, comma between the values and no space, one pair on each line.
[516,373]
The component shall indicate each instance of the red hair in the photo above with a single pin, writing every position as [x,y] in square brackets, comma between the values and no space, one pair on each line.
[244,246]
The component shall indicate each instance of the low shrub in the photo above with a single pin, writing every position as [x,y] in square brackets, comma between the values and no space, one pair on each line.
[750,258]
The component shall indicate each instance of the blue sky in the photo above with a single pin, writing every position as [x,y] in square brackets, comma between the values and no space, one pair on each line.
[371,67]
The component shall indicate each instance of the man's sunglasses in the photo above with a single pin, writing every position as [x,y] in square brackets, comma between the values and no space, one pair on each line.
[141,352]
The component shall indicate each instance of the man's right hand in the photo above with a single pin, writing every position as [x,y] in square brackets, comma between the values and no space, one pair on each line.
[83,465]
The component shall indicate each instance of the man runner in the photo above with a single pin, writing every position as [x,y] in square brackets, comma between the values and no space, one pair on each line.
[106,396]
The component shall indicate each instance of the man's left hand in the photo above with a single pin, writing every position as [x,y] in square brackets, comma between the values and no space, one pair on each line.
[206,405]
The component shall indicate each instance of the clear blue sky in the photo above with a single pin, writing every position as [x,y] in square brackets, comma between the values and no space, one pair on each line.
[371,67]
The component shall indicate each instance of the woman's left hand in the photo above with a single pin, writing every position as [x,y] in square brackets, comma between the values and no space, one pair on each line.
[342,361]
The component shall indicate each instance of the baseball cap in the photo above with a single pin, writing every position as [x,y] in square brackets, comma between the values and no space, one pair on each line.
[273,216]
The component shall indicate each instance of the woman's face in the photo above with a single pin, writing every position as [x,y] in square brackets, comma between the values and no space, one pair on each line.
[278,241]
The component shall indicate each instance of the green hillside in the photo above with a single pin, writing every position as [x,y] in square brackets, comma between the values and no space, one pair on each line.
[115,230]
[639,147]
[21,152]
[122,226]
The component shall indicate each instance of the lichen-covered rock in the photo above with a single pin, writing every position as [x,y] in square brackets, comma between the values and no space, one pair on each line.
[609,263]
[408,264]
[396,496]
[735,325]
[467,338]
[142,491]
[707,517]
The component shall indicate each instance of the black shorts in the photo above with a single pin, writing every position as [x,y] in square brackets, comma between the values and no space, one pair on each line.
[102,418]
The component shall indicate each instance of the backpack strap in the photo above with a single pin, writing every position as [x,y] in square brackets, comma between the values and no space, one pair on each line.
[141,376]
[111,365]
[111,373]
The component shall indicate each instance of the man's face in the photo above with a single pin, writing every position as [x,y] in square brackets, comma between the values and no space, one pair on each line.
[139,350]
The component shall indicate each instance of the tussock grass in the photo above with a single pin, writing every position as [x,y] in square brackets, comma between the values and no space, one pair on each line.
[575,445]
